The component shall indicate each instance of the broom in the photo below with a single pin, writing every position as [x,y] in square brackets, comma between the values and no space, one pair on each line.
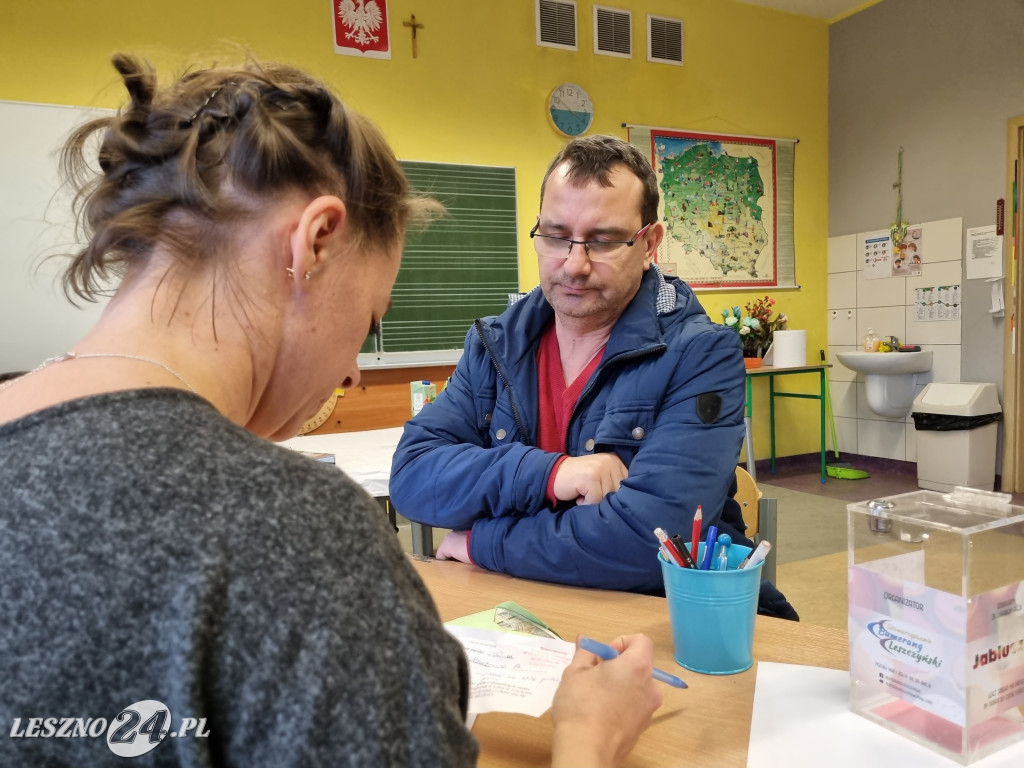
[843,470]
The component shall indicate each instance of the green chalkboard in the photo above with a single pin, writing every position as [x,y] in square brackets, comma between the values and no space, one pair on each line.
[463,267]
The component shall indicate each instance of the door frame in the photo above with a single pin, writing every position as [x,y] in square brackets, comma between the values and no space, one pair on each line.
[1012,476]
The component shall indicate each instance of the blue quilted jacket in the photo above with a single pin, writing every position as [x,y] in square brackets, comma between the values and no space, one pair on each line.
[667,398]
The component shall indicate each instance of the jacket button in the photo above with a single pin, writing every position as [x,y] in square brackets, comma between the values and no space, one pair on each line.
[638,433]
[500,434]
[589,445]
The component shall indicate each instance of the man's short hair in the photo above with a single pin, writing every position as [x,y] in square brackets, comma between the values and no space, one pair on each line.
[590,158]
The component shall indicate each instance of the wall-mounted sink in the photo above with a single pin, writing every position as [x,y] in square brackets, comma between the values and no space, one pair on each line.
[889,377]
[886,362]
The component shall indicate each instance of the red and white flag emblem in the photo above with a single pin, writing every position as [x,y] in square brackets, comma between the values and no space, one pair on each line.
[361,28]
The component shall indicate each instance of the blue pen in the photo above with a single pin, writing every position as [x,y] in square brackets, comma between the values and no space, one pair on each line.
[608,653]
[709,548]
[722,563]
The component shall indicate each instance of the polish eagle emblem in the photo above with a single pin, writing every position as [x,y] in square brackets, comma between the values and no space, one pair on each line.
[363,20]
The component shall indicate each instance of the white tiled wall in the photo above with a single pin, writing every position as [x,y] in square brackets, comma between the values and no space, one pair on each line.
[886,305]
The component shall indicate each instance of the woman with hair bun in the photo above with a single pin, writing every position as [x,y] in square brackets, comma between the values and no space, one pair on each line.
[154,545]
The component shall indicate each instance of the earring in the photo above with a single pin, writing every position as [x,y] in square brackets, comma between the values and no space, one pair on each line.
[290,271]
[308,275]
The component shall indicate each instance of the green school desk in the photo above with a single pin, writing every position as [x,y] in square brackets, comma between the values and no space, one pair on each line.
[771,372]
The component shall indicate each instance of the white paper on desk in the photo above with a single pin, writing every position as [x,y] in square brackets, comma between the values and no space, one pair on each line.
[802,717]
[510,671]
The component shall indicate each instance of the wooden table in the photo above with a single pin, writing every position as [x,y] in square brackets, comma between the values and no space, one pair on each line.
[709,721]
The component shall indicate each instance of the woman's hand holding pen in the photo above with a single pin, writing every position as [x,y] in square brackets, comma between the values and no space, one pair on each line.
[588,479]
[602,707]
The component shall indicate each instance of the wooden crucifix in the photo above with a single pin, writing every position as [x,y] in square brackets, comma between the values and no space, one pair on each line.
[412,23]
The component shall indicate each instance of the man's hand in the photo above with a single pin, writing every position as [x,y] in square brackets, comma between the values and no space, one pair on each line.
[454,546]
[587,479]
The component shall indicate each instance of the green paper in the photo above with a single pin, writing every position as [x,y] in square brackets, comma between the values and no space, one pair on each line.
[506,617]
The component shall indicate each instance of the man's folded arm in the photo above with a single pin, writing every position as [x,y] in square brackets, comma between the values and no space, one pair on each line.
[442,475]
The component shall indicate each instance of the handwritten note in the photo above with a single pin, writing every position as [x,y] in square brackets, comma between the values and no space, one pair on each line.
[512,672]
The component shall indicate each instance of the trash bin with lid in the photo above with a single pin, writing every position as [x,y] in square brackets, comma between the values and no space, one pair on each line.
[956,428]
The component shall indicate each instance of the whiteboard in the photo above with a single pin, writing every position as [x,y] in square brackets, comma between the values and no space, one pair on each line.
[36,320]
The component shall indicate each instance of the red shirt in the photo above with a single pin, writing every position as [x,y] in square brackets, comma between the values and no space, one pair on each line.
[557,400]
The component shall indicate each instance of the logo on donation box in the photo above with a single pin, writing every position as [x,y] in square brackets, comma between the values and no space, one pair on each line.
[135,730]
[361,28]
[905,643]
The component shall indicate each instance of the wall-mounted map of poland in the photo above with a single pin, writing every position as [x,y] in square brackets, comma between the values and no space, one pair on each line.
[718,206]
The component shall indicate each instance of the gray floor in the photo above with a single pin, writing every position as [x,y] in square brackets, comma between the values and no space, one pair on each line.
[809,525]
[812,531]
[811,547]
[812,514]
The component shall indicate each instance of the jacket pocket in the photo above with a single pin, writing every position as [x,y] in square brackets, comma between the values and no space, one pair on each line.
[623,431]
[502,428]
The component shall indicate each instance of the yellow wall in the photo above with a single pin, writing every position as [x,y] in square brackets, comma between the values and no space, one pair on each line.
[478,90]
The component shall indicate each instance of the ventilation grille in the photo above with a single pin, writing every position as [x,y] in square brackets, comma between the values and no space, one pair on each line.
[612,32]
[556,24]
[664,40]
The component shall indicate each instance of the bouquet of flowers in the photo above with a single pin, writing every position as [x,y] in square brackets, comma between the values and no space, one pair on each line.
[757,329]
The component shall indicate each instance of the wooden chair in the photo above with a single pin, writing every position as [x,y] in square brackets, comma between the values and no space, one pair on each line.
[760,515]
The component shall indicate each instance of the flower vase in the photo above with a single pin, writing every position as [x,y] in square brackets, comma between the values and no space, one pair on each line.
[751,357]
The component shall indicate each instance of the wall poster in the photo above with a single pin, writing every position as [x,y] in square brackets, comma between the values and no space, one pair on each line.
[718,205]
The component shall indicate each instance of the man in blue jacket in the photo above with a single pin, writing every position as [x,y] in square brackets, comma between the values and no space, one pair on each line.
[602,405]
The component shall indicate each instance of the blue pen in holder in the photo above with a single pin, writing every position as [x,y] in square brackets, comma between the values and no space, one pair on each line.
[712,614]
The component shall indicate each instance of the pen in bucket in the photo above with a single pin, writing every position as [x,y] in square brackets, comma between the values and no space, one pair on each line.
[669,548]
[756,556]
[722,562]
[683,550]
[608,653]
[709,548]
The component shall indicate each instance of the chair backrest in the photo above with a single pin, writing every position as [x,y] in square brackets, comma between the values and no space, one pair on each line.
[748,495]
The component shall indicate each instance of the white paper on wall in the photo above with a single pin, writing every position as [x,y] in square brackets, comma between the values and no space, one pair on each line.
[875,252]
[984,252]
[937,303]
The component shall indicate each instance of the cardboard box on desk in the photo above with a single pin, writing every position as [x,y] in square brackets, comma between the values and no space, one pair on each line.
[936,618]
[422,393]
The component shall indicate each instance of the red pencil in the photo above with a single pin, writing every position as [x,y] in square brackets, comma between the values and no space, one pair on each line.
[695,541]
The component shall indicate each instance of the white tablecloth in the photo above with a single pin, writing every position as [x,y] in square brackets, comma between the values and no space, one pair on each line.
[364,456]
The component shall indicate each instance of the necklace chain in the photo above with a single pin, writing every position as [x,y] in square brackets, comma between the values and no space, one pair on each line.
[75,356]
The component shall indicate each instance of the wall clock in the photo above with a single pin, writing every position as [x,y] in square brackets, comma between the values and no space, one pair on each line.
[570,109]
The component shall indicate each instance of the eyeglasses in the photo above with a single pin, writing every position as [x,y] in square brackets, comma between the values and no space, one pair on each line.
[553,247]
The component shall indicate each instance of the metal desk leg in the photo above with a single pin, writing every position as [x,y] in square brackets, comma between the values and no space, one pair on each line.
[821,401]
[771,415]
[768,512]
[749,440]
[422,540]
[749,437]
[385,504]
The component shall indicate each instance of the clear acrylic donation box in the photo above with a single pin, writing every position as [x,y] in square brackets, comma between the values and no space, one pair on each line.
[936,618]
